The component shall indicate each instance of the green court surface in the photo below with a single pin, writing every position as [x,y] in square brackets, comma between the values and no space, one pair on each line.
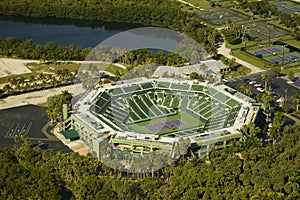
[188,120]
[288,58]
[277,56]
[218,16]
[263,31]
[287,6]
[266,47]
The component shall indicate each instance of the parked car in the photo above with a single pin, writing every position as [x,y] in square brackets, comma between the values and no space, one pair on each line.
[252,82]
[260,89]
[257,85]
[225,80]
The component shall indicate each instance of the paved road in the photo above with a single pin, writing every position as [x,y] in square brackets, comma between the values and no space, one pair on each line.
[188,3]
[98,62]
[226,52]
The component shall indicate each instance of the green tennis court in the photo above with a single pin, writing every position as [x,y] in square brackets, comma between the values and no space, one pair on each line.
[188,120]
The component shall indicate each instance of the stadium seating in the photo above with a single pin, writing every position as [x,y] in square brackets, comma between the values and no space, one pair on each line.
[180,86]
[163,85]
[144,101]
[145,86]
[132,88]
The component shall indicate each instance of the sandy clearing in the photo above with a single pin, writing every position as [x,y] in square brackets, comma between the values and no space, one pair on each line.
[9,66]
[35,98]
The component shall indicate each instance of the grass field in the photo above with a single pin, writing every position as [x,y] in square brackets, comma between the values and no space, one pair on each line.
[251,59]
[38,68]
[102,67]
[294,43]
[189,121]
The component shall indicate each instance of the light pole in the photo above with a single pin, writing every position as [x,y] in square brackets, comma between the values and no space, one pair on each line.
[269,34]
[283,54]
[286,91]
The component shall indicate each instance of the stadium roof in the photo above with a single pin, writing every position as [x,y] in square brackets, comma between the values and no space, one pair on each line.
[204,67]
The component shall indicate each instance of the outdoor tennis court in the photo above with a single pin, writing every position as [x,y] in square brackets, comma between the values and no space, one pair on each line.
[218,17]
[263,31]
[287,6]
[275,54]
[267,50]
[287,58]
[169,124]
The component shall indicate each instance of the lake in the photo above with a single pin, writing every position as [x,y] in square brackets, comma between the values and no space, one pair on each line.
[63,32]
[83,33]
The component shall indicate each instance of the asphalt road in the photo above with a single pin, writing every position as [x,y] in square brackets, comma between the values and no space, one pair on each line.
[279,85]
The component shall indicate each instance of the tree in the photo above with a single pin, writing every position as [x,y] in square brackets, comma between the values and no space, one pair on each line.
[276,69]
[296,100]
[231,63]
[245,89]
[267,100]
[291,75]
[250,129]
[65,96]
[7,88]
[267,79]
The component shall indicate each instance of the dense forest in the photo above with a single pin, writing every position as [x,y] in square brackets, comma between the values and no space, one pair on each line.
[151,12]
[246,170]
[27,49]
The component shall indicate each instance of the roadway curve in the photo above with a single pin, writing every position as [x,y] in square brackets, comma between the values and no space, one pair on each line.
[226,52]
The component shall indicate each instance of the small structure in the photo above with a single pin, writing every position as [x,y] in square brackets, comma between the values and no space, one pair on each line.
[207,67]
[71,135]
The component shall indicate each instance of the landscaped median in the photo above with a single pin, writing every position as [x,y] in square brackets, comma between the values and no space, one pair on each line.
[247,57]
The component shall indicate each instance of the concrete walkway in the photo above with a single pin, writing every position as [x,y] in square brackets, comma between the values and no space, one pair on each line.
[188,3]
[226,52]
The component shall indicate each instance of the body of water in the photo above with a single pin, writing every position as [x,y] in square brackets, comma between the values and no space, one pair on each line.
[87,33]
[58,31]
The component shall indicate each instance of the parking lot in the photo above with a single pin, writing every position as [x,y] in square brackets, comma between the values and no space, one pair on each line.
[30,120]
[279,86]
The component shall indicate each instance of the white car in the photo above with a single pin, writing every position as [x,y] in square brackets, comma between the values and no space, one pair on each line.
[252,82]
[260,90]
[225,80]
[257,85]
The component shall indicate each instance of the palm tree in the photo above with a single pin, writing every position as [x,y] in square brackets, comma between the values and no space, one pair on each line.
[7,88]
[227,23]
[65,96]
[267,100]
[248,91]
[250,129]
[296,100]
[245,89]
[267,79]
[231,63]
[241,88]
[52,113]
